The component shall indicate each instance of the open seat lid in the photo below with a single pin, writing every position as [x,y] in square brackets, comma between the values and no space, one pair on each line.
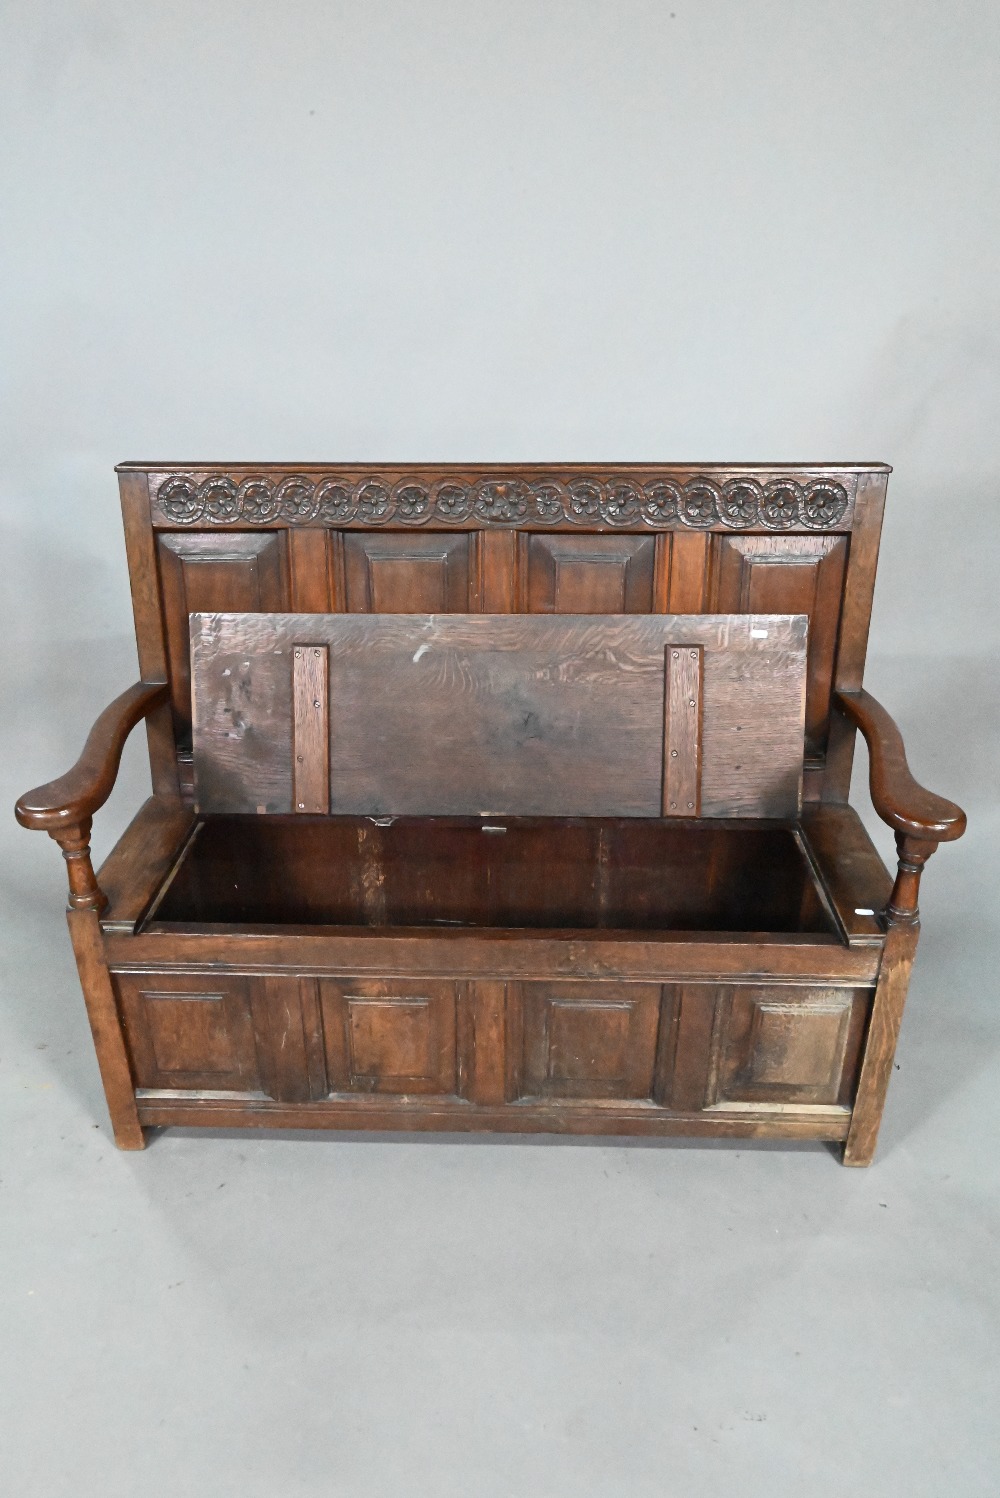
[519,715]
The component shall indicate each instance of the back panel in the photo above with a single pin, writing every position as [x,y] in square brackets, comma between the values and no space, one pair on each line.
[533,539]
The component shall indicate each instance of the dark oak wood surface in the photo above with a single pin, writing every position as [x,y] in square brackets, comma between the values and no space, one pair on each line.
[85,788]
[523,716]
[661,973]
[897,797]
[546,872]
[557,538]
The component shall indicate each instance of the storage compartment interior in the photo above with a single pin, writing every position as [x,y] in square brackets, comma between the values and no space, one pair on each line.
[549,873]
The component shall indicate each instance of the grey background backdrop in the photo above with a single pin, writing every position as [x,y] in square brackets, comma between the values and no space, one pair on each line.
[497,231]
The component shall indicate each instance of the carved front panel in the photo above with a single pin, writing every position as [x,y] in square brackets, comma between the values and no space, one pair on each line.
[395,573]
[235,571]
[588,574]
[790,575]
[584,1040]
[391,1036]
[192,1033]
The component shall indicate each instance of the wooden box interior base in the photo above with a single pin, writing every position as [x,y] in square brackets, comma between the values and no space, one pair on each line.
[588,874]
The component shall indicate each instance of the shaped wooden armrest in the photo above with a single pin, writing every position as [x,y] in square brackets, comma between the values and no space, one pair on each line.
[920,819]
[64,808]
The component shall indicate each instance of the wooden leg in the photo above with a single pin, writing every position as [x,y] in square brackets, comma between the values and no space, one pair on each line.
[880,1046]
[102,1011]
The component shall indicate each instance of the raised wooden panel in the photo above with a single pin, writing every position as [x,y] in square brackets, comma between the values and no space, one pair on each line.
[588,574]
[793,575]
[518,715]
[396,573]
[191,1032]
[391,1036]
[586,1040]
[784,1044]
[230,570]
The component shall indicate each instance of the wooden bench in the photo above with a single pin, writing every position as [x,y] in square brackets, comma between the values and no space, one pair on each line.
[503,799]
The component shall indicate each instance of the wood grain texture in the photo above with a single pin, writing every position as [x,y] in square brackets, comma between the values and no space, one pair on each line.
[487,1082]
[495,954]
[309,571]
[310,729]
[897,797]
[551,1116]
[722,497]
[588,574]
[585,1041]
[400,573]
[500,569]
[208,570]
[880,1043]
[287,1021]
[682,730]
[781,1045]
[139,863]
[105,1026]
[855,880]
[519,715]
[690,554]
[789,574]
[516,873]
[150,628]
[194,1031]
[83,790]
[696,513]
[594,974]
[855,623]
[391,1035]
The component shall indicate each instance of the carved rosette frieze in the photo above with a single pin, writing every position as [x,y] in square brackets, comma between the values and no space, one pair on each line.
[696,503]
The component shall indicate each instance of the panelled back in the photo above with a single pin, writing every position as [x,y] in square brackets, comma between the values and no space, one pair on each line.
[574,539]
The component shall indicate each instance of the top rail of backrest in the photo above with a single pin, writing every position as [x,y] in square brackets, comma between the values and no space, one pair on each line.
[507,538]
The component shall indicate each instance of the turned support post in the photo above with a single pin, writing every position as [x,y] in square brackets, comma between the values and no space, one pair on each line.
[84,891]
[913,854]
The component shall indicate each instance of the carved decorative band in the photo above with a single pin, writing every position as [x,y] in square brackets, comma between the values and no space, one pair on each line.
[699,503]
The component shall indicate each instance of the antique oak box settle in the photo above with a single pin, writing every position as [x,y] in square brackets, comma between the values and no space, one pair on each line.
[499,798]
